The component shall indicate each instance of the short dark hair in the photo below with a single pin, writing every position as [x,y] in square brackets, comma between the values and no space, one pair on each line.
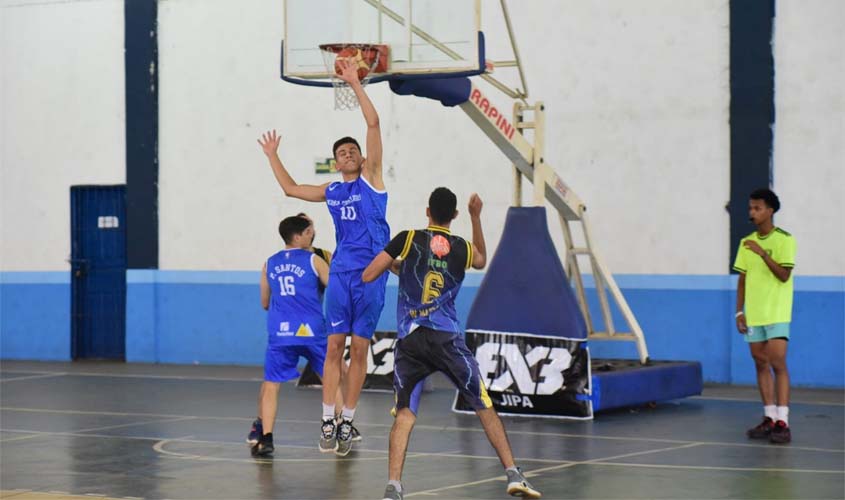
[291,226]
[344,140]
[768,196]
[441,205]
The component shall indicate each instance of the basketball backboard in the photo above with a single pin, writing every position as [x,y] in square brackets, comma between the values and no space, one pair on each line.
[426,38]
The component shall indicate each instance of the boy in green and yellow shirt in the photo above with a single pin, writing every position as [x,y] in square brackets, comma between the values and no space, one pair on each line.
[765,260]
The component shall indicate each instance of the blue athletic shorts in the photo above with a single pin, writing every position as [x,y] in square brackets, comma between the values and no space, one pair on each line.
[280,361]
[763,333]
[424,351]
[353,306]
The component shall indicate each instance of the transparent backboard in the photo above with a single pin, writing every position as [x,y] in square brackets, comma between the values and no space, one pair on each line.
[425,37]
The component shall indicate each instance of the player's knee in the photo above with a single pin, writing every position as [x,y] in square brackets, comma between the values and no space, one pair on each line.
[405,417]
[761,361]
[270,387]
[778,364]
[358,350]
[334,349]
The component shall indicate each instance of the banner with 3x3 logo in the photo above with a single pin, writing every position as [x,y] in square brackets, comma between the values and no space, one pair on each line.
[532,376]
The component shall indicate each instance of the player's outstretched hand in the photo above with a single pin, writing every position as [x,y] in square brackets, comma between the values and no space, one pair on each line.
[269,142]
[475,205]
[348,70]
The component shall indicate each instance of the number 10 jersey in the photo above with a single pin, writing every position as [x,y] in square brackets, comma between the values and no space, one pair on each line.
[359,212]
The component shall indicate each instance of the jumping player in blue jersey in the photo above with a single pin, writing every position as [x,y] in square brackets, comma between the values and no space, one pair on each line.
[290,293]
[431,263]
[257,428]
[358,207]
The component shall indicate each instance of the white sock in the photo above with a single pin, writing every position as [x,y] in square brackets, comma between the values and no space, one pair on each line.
[347,413]
[783,414]
[512,469]
[771,411]
[396,484]
[328,411]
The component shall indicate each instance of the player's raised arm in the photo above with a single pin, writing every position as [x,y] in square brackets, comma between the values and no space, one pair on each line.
[479,249]
[269,143]
[372,166]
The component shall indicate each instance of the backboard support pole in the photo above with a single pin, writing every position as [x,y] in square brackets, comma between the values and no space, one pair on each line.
[529,160]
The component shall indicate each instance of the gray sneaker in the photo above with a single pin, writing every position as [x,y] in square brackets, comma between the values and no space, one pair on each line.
[344,438]
[519,487]
[391,493]
[328,436]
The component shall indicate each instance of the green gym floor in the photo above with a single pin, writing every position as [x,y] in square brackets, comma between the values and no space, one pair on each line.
[101,429]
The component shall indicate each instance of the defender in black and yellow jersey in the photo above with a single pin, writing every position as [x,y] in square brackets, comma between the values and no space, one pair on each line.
[431,263]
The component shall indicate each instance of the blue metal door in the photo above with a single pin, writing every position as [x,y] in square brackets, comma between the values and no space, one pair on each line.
[98,271]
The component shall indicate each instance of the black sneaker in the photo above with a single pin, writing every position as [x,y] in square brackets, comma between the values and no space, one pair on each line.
[264,446]
[255,432]
[356,434]
[780,433]
[762,431]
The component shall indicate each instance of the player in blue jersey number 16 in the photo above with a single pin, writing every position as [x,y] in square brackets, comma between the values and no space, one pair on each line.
[358,206]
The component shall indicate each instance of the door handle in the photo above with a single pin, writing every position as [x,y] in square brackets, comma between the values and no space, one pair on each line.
[79,267]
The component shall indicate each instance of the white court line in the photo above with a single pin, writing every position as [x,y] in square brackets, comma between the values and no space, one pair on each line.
[260,379]
[31,377]
[161,441]
[536,472]
[20,438]
[436,428]
[162,420]
[159,448]
[757,400]
[143,376]
[709,467]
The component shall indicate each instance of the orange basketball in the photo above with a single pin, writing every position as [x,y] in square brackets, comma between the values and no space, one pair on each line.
[356,57]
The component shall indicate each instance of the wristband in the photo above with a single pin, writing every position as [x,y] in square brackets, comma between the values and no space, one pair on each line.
[740,313]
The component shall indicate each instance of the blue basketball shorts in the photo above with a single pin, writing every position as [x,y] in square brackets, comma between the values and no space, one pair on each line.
[353,306]
[280,361]
[425,351]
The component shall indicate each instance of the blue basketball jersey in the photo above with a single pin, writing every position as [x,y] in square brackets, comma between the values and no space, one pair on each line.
[359,212]
[295,315]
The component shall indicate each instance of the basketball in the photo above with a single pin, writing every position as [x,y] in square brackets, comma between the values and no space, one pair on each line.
[354,55]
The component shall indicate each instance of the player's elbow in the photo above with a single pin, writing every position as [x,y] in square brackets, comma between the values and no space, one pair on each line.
[373,122]
[368,276]
[479,262]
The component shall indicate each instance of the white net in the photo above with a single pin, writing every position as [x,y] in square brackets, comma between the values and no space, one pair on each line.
[365,56]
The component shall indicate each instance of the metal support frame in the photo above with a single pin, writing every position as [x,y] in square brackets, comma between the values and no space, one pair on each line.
[529,160]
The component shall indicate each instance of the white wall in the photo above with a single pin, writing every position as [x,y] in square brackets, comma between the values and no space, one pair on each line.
[636,95]
[637,101]
[63,121]
[809,158]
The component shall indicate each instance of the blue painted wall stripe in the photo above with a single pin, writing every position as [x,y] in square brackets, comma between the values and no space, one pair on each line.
[35,277]
[215,317]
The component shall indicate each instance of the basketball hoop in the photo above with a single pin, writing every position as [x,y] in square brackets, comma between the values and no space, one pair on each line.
[370,58]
